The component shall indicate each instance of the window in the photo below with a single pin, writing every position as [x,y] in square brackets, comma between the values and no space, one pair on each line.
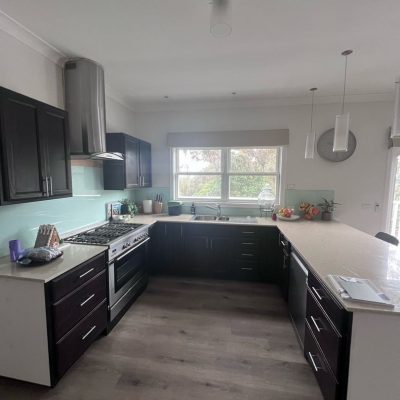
[225,174]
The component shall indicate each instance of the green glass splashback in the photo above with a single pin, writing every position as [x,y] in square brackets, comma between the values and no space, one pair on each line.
[87,206]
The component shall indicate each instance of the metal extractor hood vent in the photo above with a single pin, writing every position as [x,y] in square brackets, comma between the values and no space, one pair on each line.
[85,103]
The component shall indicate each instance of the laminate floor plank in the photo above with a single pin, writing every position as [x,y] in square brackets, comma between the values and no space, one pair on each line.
[190,339]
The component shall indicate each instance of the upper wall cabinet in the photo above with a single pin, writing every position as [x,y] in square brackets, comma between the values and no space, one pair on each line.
[35,160]
[135,170]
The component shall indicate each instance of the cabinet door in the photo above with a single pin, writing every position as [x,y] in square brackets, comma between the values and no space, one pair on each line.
[55,149]
[23,167]
[167,248]
[145,163]
[220,263]
[196,256]
[131,162]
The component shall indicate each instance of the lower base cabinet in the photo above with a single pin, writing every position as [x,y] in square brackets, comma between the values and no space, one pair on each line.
[216,251]
[77,313]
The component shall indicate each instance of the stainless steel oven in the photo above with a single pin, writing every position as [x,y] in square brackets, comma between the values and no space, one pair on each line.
[127,274]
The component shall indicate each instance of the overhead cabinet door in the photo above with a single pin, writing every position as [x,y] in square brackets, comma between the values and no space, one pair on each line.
[145,163]
[55,145]
[23,167]
[34,148]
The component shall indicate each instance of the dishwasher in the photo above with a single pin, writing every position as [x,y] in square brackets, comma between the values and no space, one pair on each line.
[297,296]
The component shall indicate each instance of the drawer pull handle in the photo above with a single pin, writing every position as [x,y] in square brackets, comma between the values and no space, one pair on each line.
[320,298]
[247,233]
[248,243]
[89,332]
[283,244]
[90,298]
[247,255]
[314,364]
[246,269]
[314,320]
[87,272]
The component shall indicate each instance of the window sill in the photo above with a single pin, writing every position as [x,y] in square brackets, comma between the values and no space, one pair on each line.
[223,204]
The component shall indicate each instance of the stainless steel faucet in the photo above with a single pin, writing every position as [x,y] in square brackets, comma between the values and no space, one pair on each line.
[217,208]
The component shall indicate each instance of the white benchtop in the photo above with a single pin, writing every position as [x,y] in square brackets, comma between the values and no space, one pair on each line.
[74,255]
[327,247]
[331,248]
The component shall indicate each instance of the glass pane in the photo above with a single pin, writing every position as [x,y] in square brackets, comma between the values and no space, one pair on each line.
[395,220]
[248,187]
[254,160]
[199,186]
[192,160]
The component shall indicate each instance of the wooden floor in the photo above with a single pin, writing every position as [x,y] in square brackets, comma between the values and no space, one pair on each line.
[190,339]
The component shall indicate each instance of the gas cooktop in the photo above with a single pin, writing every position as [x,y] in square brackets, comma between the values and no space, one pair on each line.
[104,234]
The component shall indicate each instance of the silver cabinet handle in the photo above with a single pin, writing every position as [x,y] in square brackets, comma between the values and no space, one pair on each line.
[88,299]
[248,233]
[248,243]
[320,298]
[87,272]
[314,364]
[46,182]
[246,269]
[88,332]
[314,321]
[247,254]
[51,185]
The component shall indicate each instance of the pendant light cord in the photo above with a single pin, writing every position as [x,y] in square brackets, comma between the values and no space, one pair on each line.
[344,84]
[312,111]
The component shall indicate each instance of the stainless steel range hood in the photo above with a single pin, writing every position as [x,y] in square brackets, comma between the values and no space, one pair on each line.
[85,103]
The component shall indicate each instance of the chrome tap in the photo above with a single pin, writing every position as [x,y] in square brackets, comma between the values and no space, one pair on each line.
[217,208]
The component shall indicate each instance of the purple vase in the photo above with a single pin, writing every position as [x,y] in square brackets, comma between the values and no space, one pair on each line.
[15,249]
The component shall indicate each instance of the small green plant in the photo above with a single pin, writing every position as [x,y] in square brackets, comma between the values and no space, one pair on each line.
[128,207]
[328,205]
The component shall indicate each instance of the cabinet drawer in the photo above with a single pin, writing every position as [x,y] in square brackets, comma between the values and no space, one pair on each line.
[328,339]
[72,308]
[314,356]
[68,282]
[74,344]
[333,309]
[246,270]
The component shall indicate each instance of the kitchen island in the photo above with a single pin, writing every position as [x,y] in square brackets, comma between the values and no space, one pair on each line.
[333,248]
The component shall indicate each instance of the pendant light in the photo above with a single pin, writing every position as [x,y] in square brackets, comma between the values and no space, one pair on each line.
[310,140]
[342,125]
[395,134]
[220,23]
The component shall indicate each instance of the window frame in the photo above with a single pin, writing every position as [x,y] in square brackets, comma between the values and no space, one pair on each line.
[225,175]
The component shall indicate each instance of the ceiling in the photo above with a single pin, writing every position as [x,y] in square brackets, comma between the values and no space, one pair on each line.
[277,49]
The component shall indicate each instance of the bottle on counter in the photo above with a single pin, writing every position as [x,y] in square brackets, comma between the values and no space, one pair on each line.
[193,209]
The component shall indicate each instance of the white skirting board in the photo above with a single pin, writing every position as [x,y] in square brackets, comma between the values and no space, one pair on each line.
[23,331]
[374,371]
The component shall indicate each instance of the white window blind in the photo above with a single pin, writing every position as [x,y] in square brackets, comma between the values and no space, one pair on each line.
[261,138]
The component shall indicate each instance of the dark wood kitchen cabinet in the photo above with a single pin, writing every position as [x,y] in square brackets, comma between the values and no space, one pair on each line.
[167,248]
[35,162]
[132,172]
[216,251]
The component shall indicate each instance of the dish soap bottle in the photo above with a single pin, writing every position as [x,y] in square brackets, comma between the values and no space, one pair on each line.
[193,209]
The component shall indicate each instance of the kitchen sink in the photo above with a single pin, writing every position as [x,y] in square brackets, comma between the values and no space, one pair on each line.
[223,218]
[204,218]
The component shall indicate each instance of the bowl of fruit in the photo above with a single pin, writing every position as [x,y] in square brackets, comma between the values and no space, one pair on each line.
[286,214]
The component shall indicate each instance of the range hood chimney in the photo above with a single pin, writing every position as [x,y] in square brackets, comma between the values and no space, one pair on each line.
[85,103]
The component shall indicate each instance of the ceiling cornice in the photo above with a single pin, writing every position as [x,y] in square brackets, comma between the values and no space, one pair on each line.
[15,29]
[187,105]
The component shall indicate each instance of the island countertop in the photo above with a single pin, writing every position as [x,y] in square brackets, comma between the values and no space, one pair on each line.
[330,248]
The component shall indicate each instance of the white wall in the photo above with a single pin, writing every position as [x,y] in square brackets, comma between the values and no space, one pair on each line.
[358,182]
[27,71]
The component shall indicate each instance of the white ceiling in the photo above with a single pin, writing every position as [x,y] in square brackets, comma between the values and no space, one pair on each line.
[278,48]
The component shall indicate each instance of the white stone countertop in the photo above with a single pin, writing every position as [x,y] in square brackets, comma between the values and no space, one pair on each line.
[327,247]
[331,248]
[74,255]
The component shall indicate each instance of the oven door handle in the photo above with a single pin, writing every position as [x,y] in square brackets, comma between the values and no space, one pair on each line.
[132,249]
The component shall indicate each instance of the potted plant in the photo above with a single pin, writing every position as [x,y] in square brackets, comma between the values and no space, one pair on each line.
[327,207]
[128,207]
